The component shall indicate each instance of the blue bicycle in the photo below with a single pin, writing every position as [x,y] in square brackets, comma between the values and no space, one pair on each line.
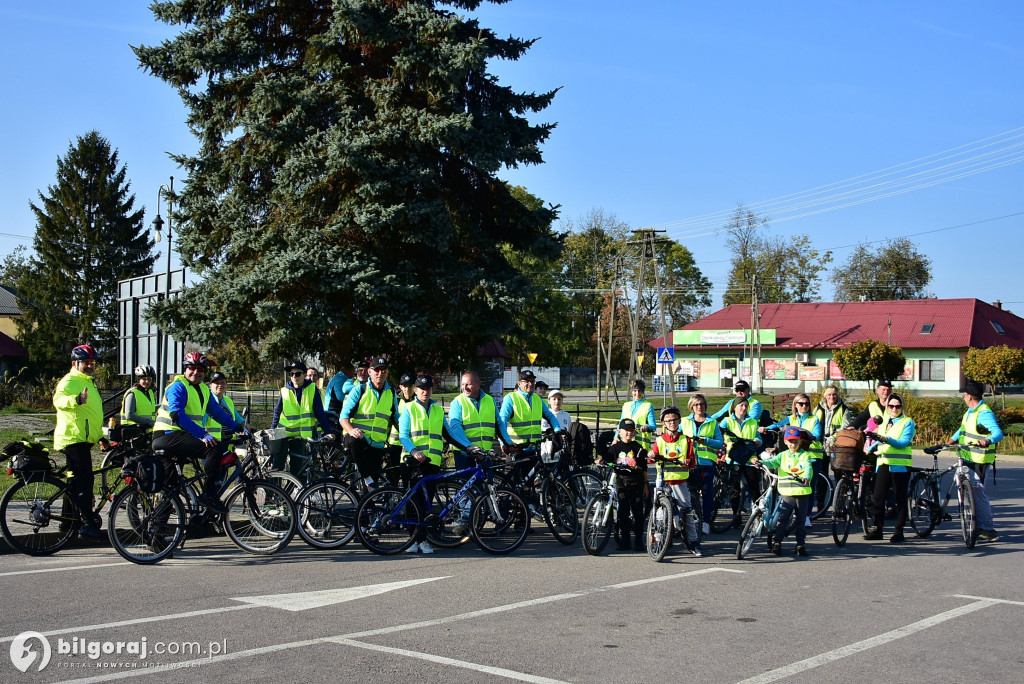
[763,517]
[388,519]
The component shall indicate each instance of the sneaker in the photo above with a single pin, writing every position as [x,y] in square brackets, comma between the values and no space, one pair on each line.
[807,521]
[425,547]
[987,535]
[801,550]
[536,514]
[874,534]
[897,537]
[705,528]
[415,548]
[213,504]
[777,549]
[697,552]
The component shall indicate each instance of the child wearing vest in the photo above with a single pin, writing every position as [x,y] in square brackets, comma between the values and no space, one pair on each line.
[630,462]
[795,472]
[673,453]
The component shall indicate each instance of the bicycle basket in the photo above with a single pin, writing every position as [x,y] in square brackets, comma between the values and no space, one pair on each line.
[275,440]
[28,457]
[148,472]
[848,459]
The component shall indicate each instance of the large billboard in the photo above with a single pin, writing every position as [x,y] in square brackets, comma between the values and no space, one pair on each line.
[720,338]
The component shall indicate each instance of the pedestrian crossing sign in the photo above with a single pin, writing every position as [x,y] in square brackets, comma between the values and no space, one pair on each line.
[666,355]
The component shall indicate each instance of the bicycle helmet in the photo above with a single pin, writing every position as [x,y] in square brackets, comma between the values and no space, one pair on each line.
[145,372]
[196,359]
[83,352]
[670,410]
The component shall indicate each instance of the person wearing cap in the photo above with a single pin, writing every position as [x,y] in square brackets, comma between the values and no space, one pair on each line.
[979,433]
[706,436]
[742,390]
[369,412]
[672,455]
[361,374]
[741,425]
[629,458]
[641,412]
[179,429]
[803,418]
[138,407]
[555,398]
[218,393]
[334,395]
[542,389]
[422,428]
[795,473]
[521,414]
[299,411]
[406,396]
[892,467]
[876,407]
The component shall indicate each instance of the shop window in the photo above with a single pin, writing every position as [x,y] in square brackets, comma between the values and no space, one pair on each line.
[933,371]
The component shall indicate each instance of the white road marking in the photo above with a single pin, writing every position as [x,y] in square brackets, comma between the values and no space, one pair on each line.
[486,669]
[880,640]
[314,599]
[986,598]
[63,569]
[387,630]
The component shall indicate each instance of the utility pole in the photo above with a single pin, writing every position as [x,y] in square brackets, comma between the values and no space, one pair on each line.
[664,327]
[611,326]
[598,366]
[755,338]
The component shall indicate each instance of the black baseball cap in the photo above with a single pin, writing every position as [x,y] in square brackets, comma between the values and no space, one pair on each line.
[424,381]
[217,376]
[379,362]
[741,385]
[527,375]
[407,379]
[361,363]
[627,424]
[973,388]
[885,383]
[296,365]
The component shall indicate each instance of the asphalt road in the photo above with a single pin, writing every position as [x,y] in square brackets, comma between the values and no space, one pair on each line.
[925,611]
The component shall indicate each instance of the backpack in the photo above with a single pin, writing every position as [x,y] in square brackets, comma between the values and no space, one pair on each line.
[27,457]
[604,443]
[149,473]
[581,446]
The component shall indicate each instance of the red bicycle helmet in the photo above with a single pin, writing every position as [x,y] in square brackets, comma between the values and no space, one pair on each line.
[196,359]
[83,352]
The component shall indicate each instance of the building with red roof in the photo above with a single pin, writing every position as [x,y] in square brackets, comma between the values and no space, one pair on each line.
[797,341]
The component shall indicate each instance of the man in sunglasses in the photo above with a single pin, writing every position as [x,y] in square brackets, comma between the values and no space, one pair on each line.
[299,410]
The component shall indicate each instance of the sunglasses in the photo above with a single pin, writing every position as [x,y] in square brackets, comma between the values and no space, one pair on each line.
[801,403]
[297,374]
[895,405]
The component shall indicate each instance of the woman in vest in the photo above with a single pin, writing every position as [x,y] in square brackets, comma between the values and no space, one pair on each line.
[803,418]
[744,427]
[892,469]
[707,440]
[641,412]
[139,404]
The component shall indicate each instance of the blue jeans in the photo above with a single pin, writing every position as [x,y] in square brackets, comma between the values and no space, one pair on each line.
[463,460]
[791,505]
[982,504]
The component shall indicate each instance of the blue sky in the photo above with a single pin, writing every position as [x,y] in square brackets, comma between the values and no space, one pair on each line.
[669,114]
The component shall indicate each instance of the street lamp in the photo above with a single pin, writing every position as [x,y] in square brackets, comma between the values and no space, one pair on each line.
[158,224]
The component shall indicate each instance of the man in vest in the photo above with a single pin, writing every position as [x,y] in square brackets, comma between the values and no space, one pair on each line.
[361,374]
[138,407]
[79,426]
[876,407]
[405,397]
[980,433]
[521,413]
[298,411]
[179,430]
[369,411]
[472,419]
[742,390]
[641,412]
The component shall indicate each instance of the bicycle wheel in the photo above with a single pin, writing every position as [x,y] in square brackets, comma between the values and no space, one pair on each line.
[751,531]
[560,511]
[502,529]
[923,501]
[968,517]
[37,517]
[597,524]
[145,528]
[291,485]
[659,528]
[326,514]
[842,513]
[822,491]
[726,510]
[385,524]
[261,517]
[584,485]
[452,529]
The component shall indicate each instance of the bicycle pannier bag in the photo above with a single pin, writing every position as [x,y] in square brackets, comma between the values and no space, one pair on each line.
[149,472]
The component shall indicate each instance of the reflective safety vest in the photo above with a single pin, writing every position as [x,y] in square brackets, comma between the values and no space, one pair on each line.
[145,404]
[425,429]
[809,422]
[969,436]
[478,424]
[297,416]
[792,469]
[212,426]
[393,438]
[837,420]
[876,411]
[195,407]
[373,415]
[890,455]
[639,416]
[77,422]
[674,453]
[526,414]
[748,430]
[707,430]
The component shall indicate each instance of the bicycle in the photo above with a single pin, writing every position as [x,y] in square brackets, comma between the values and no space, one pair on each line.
[926,512]
[731,494]
[388,519]
[149,520]
[665,518]
[38,515]
[852,501]
[540,488]
[763,517]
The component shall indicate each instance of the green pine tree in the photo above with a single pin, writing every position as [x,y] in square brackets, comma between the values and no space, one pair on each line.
[88,236]
[344,198]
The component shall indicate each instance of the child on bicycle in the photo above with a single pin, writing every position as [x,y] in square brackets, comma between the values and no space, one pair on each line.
[795,473]
[673,456]
[630,462]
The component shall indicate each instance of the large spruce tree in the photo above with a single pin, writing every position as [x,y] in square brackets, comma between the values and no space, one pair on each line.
[88,236]
[345,197]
